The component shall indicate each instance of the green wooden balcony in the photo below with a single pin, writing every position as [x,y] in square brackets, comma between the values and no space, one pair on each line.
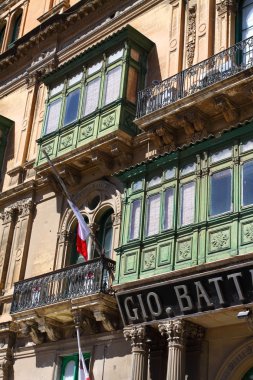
[187,208]
[92,99]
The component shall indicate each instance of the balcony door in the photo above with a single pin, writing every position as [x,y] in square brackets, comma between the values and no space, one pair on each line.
[247,30]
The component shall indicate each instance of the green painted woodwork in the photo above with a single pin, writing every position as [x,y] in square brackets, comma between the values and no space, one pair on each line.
[5,126]
[107,116]
[208,237]
[66,360]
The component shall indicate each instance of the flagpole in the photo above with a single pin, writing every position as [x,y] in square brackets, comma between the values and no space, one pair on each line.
[68,196]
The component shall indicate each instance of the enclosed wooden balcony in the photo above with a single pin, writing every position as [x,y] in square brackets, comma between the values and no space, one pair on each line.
[45,306]
[218,89]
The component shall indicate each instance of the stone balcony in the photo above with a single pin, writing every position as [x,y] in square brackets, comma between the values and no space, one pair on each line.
[218,89]
[45,306]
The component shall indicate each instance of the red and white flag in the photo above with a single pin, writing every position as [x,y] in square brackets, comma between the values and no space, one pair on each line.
[83,231]
[83,373]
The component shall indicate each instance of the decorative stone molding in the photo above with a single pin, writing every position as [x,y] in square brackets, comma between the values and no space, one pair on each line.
[137,335]
[227,108]
[64,237]
[166,137]
[226,6]
[108,322]
[191,35]
[174,331]
[8,215]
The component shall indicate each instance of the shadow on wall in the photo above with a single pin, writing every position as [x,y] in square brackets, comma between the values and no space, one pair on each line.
[153,70]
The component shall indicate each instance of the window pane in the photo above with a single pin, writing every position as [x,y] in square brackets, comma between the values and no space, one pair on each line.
[188,169]
[245,147]
[113,57]
[53,115]
[168,209]
[71,110]
[91,96]
[154,181]
[137,185]
[187,203]
[170,173]
[221,192]
[247,183]
[221,155]
[92,69]
[69,370]
[153,215]
[56,89]
[75,79]
[135,219]
[112,86]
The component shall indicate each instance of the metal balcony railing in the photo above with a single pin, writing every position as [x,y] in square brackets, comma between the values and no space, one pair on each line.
[94,276]
[223,65]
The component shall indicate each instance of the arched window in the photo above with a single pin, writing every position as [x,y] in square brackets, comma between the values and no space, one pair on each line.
[73,257]
[104,234]
[15,28]
[2,33]
[249,375]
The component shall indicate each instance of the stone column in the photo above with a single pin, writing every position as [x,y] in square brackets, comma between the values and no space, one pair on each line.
[137,335]
[174,330]
[8,217]
[20,243]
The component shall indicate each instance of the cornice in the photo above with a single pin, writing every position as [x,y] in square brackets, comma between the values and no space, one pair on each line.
[17,192]
[60,22]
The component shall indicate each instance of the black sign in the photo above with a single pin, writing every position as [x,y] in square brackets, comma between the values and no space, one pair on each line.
[189,295]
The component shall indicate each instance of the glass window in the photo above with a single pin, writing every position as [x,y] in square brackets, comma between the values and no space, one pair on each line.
[170,173]
[187,213]
[137,185]
[16,28]
[187,169]
[114,56]
[246,146]
[221,155]
[71,110]
[221,195]
[112,85]
[91,96]
[56,89]
[247,19]
[168,208]
[153,215]
[106,226]
[154,181]
[135,219]
[94,68]
[53,115]
[247,183]
[75,79]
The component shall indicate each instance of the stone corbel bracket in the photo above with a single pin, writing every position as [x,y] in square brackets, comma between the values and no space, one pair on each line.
[229,111]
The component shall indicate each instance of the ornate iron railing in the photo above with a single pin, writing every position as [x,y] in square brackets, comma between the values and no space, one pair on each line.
[229,62]
[94,276]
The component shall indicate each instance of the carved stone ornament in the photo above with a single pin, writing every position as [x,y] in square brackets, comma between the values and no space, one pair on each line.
[174,331]
[64,237]
[226,6]
[191,35]
[8,215]
[220,240]
[229,111]
[25,207]
[136,335]
[248,232]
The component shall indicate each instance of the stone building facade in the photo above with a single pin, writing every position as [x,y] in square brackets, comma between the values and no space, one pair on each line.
[144,107]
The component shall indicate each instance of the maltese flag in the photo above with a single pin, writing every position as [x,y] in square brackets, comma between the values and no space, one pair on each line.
[83,231]
[83,373]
